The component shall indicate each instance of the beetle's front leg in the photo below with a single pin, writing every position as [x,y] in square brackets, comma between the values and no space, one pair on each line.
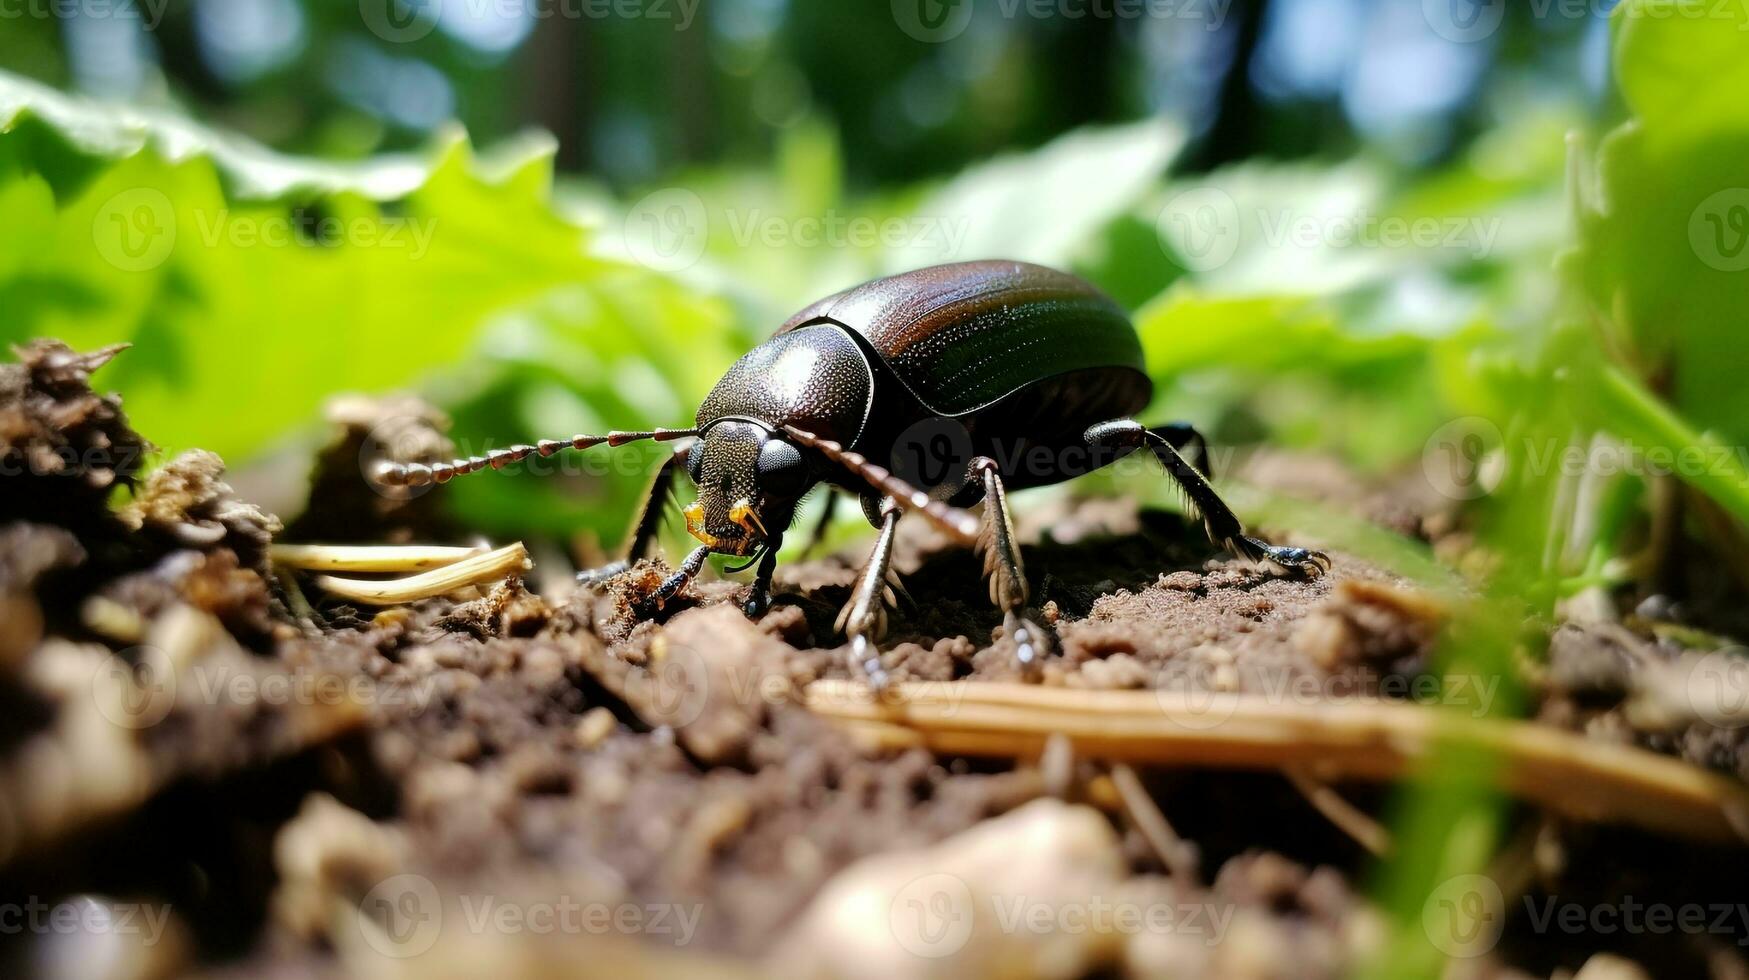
[864,618]
[760,600]
[1218,519]
[649,521]
[674,584]
[1008,588]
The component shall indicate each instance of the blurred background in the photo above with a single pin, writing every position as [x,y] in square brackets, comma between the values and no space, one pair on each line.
[753,155]
[639,90]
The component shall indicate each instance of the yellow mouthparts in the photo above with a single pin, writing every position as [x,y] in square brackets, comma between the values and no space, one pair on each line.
[742,514]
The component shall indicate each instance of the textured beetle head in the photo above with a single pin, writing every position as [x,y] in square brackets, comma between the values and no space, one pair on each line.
[749,481]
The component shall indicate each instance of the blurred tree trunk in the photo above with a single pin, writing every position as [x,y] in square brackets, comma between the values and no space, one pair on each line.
[1235,132]
[560,84]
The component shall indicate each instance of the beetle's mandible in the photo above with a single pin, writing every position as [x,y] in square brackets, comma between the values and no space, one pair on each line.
[920,394]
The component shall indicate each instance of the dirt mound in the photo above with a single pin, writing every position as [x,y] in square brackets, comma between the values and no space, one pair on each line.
[549,784]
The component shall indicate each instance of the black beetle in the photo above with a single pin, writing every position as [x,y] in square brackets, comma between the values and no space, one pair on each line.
[969,380]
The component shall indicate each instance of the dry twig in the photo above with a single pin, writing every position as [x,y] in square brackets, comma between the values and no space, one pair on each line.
[368,557]
[1566,773]
[488,567]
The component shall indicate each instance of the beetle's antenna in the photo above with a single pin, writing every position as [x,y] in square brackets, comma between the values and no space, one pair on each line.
[956,523]
[420,474]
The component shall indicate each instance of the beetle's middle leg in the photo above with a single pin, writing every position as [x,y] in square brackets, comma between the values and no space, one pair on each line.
[1222,525]
[1002,564]
[864,617]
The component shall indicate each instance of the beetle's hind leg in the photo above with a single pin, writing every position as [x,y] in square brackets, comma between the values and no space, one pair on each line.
[1218,519]
[1182,436]
[1002,565]
[864,618]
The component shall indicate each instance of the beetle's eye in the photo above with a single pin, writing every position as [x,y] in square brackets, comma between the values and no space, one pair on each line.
[782,472]
[695,462]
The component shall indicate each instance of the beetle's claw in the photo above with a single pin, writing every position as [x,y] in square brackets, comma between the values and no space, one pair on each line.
[866,658]
[1278,560]
[1030,644]
[757,604]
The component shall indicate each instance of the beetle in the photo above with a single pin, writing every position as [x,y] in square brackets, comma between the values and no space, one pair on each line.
[921,394]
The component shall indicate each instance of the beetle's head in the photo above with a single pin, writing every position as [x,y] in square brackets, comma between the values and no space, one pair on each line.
[749,481]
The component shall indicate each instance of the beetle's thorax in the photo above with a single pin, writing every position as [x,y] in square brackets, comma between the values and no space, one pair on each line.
[817,379]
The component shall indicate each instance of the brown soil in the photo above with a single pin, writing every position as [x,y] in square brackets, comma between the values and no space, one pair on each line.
[531,750]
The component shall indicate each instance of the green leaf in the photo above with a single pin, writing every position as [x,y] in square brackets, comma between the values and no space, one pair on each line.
[256,285]
[1044,206]
[1683,67]
[1663,256]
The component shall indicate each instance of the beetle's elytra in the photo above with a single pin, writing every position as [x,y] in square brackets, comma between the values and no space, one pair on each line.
[922,394]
